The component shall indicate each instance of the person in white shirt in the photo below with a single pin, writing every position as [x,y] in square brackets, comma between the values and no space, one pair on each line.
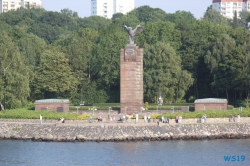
[180,118]
[145,118]
[149,118]
[136,118]
[41,119]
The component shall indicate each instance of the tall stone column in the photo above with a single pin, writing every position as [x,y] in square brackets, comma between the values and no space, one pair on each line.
[131,79]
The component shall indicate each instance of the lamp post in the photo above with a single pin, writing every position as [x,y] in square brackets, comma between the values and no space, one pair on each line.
[173,109]
[94,108]
[125,110]
[109,110]
[77,109]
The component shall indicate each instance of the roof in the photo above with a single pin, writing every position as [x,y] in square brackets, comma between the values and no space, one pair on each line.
[211,100]
[52,101]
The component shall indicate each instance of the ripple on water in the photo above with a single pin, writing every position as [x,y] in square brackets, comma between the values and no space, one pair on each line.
[206,152]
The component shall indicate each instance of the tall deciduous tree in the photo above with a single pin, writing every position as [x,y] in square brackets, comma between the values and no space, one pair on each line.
[106,60]
[14,84]
[163,75]
[78,48]
[54,78]
[160,31]
[215,17]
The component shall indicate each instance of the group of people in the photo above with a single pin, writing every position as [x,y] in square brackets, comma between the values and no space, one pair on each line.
[111,118]
[178,119]
[164,120]
[147,119]
[231,118]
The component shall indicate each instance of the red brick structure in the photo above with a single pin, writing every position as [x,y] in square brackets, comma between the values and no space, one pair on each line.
[131,79]
[59,105]
[210,104]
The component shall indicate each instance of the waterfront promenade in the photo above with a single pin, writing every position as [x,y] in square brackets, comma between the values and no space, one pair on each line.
[109,131]
[132,122]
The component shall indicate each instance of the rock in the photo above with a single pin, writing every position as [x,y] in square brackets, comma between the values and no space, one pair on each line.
[49,137]
[81,138]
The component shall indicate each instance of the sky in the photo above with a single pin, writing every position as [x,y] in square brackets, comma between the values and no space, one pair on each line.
[82,7]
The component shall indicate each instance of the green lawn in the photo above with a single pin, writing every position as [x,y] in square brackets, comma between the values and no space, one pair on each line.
[34,114]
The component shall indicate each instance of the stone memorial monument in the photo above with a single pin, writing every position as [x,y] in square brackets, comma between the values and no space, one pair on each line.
[131,74]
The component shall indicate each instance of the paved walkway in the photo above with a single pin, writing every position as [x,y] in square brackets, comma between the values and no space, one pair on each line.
[112,123]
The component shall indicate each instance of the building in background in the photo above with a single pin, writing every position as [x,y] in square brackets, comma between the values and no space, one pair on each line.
[59,105]
[106,8]
[211,104]
[7,5]
[228,7]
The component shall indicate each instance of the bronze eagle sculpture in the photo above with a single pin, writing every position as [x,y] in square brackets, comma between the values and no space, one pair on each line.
[132,33]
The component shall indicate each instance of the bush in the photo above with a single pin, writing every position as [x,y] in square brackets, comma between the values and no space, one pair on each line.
[34,114]
[83,117]
[230,107]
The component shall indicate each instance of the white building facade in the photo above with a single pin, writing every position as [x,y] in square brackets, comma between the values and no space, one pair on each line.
[7,5]
[227,8]
[106,8]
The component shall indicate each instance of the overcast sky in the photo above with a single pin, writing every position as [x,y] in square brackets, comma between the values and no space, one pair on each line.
[82,7]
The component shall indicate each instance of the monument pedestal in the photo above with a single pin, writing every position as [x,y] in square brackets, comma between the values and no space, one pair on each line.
[131,79]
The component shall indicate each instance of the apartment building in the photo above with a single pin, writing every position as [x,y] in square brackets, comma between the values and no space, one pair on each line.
[228,7]
[106,8]
[7,5]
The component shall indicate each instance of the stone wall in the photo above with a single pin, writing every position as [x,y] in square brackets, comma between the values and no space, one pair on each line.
[123,132]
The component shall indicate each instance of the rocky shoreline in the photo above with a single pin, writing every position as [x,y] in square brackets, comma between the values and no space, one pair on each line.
[122,133]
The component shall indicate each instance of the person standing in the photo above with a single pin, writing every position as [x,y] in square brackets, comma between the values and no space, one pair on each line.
[180,118]
[41,119]
[145,118]
[238,118]
[176,119]
[162,119]
[136,118]
[149,118]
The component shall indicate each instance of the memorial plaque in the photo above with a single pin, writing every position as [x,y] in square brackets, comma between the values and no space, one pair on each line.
[130,51]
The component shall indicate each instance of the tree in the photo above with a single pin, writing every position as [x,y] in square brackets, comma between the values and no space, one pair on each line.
[163,75]
[235,20]
[69,13]
[215,17]
[54,78]
[116,16]
[244,15]
[148,14]
[78,48]
[94,22]
[180,17]
[160,31]
[105,63]
[14,84]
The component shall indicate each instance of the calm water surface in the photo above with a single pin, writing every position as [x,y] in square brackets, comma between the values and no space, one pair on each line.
[28,153]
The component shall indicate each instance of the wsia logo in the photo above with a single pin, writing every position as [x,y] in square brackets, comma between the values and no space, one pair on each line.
[234,158]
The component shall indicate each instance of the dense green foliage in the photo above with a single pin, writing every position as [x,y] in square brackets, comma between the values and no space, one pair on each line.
[52,115]
[48,54]
[32,114]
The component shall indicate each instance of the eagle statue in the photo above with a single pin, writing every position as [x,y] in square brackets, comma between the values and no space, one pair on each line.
[132,33]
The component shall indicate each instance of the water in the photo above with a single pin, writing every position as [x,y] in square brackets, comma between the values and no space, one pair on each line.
[208,152]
